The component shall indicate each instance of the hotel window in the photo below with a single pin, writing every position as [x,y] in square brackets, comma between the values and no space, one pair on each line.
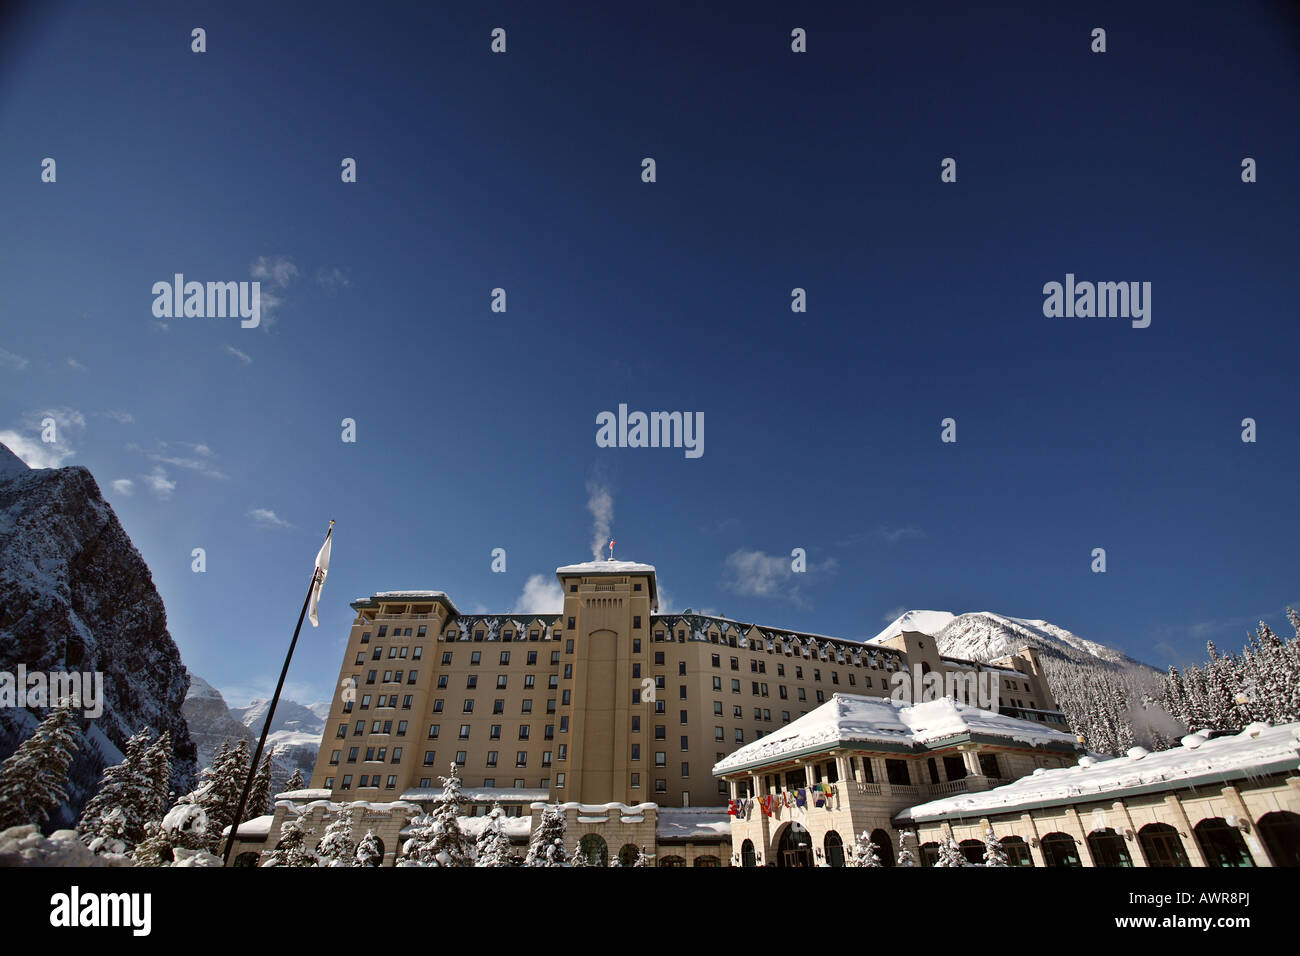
[388,726]
[763,689]
[753,688]
[821,697]
[661,785]
[501,682]
[424,629]
[329,783]
[735,686]
[852,681]
[636,696]
[468,708]
[661,732]
[401,728]
[505,657]
[361,657]
[532,636]
[636,781]
[716,660]
[785,716]
[428,758]
[378,654]
[568,672]
[397,755]
[758,713]
[686,743]
[460,758]
[478,635]
[464,732]
[529,680]
[347,782]
[425,781]
[559,780]
[489,781]
[564,725]
[835,677]
[740,736]
[521,759]
[365,637]
[566,697]
[365,702]
[555,657]
[636,645]
[636,751]
[767,715]
[717,707]
[636,671]
[471,682]
[437,706]
[532,656]
[550,705]
[866,681]
[523,731]
[475,658]
[659,658]
[553,682]
[492,758]
[803,694]
[434,730]
[686,769]
[719,733]
[334,757]
[546,758]
[660,707]
[392,782]
[636,622]
[684,716]
[494,732]
[737,713]
[412,676]
[661,759]
[717,682]
[562,752]
[817,673]
[446,657]
[896,771]
[681,668]
[383,630]
[406,701]
[735,663]
[782,693]
[343,731]
[659,680]
[370,677]
[571,626]
[798,673]
[397,677]
[780,670]
[499,706]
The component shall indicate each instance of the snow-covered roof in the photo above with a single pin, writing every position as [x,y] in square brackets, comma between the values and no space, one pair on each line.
[850,719]
[309,793]
[529,795]
[405,596]
[516,828]
[257,827]
[1256,751]
[606,567]
[692,823]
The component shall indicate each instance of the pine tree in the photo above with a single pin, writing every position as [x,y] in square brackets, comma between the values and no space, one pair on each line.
[32,779]
[157,766]
[865,851]
[950,853]
[994,854]
[296,782]
[644,859]
[437,839]
[292,849]
[125,794]
[218,790]
[259,795]
[336,847]
[368,851]
[578,858]
[185,827]
[546,848]
[493,846]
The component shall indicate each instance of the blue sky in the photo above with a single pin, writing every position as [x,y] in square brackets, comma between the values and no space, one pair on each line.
[476,430]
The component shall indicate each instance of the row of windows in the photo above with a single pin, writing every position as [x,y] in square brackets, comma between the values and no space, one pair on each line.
[471,681]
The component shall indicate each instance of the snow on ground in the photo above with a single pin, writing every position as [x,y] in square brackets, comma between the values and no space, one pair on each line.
[686,823]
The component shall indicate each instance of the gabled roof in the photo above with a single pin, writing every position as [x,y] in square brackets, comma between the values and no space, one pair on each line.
[850,720]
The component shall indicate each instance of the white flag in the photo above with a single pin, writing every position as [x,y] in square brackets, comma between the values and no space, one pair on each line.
[322,568]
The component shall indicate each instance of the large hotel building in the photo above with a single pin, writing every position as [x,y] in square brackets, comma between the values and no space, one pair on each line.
[695,740]
[608,701]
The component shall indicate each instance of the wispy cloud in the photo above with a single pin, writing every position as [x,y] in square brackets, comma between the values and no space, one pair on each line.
[124,486]
[29,444]
[197,458]
[541,595]
[11,361]
[233,352]
[266,518]
[757,574]
[275,273]
[331,280]
[73,363]
[894,535]
[121,417]
[600,502]
[158,483]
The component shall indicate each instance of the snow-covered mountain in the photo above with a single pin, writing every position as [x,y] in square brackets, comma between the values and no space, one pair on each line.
[295,733]
[984,635]
[75,595]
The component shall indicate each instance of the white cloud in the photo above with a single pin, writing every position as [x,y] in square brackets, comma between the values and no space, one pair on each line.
[266,518]
[122,418]
[73,363]
[233,352]
[894,535]
[332,279]
[197,461]
[12,361]
[541,595]
[158,482]
[274,272]
[124,486]
[756,574]
[28,444]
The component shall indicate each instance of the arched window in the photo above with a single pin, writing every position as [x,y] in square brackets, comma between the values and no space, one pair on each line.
[929,854]
[833,847]
[1162,846]
[1108,848]
[1222,844]
[246,859]
[593,847]
[884,847]
[1280,832]
[973,851]
[707,861]
[1059,849]
[628,853]
[794,848]
[1017,851]
[747,854]
[672,861]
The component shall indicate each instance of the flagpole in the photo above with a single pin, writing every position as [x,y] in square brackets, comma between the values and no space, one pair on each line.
[270,713]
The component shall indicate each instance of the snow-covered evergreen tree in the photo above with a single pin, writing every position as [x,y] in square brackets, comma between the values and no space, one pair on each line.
[296,781]
[368,851]
[546,848]
[33,777]
[259,795]
[336,847]
[994,854]
[905,855]
[493,846]
[158,770]
[578,858]
[113,820]
[437,839]
[865,851]
[292,848]
[218,790]
[950,853]
[185,827]
[644,859]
